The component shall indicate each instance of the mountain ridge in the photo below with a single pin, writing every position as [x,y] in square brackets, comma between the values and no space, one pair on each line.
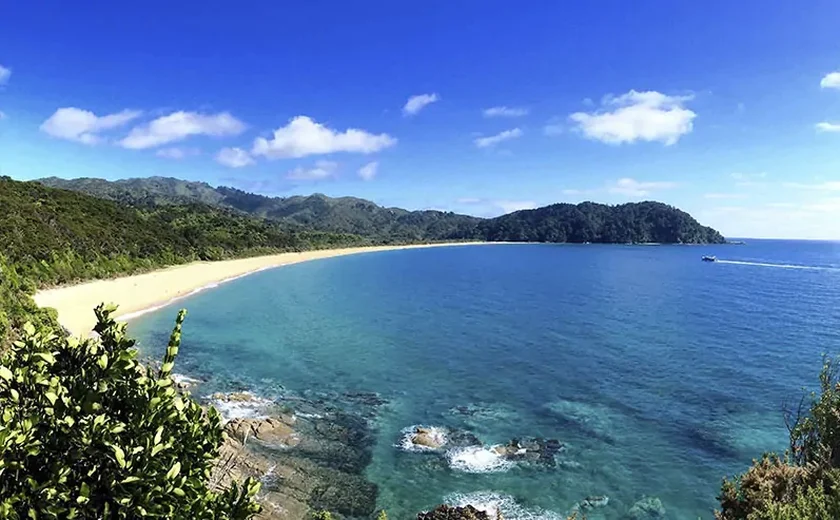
[632,222]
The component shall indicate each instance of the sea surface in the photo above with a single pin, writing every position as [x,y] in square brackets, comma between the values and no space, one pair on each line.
[659,373]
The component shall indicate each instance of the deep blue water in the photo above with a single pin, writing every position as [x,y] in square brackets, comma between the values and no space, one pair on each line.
[659,372]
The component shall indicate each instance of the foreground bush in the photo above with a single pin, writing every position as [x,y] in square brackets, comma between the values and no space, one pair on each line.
[805,483]
[86,432]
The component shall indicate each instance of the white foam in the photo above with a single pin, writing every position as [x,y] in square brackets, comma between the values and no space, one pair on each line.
[494,503]
[309,415]
[437,433]
[252,408]
[477,459]
[182,379]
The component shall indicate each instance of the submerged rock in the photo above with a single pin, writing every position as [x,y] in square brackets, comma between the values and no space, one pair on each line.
[444,512]
[591,502]
[648,508]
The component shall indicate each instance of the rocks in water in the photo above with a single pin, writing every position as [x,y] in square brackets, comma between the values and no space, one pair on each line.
[305,465]
[533,450]
[366,398]
[444,512]
[648,508]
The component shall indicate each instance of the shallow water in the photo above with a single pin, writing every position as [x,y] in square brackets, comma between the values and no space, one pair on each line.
[660,373]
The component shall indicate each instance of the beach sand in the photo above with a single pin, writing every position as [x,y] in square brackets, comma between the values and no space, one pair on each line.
[149,291]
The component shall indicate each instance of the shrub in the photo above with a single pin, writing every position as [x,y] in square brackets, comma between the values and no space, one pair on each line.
[87,432]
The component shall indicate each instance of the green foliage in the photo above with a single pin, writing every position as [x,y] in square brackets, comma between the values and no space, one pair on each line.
[805,484]
[88,433]
[322,515]
[382,515]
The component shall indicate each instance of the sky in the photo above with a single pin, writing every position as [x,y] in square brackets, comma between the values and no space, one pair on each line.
[727,110]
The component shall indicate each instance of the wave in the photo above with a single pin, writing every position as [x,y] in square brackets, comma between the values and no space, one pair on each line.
[477,459]
[252,407]
[779,266]
[495,504]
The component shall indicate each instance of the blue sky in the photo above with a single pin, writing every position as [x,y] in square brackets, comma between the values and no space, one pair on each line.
[729,110]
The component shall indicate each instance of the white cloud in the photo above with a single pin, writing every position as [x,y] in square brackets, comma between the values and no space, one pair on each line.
[493,140]
[177,153]
[820,186]
[234,157]
[83,126]
[552,129]
[503,111]
[637,116]
[468,200]
[321,170]
[509,206]
[831,80]
[634,188]
[5,74]
[180,125]
[724,196]
[3,115]
[303,136]
[828,127]
[417,103]
[369,171]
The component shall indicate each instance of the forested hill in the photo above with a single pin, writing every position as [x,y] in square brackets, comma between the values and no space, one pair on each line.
[586,222]
[642,222]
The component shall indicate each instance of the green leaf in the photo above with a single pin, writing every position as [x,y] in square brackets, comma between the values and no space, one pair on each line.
[46,356]
[29,328]
[85,490]
[173,471]
[129,480]
[119,454]
[6,374]
[51,397]
[103,361]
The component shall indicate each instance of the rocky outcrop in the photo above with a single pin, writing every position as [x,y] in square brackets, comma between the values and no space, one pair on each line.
[277,432]
[648,508]
[305,464]
[444,512]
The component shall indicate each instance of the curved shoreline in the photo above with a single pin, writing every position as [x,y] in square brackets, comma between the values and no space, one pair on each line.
[147,292]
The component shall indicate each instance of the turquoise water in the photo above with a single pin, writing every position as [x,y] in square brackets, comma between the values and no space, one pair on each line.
[660,373]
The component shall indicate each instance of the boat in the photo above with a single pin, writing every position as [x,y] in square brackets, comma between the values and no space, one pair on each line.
[707,258]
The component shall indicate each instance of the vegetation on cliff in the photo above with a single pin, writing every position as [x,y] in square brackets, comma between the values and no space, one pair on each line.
[804,483]
[87,432]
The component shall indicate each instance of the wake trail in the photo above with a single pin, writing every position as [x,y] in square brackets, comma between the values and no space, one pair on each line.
[779,266]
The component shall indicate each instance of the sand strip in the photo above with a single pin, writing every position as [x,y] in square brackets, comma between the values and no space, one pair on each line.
[141,293]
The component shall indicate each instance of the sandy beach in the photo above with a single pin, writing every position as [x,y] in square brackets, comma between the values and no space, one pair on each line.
[141,293]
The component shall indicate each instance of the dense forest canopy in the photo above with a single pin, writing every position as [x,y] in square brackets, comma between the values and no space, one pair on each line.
[586,222]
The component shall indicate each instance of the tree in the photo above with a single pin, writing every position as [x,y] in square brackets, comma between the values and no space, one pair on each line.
[87,432]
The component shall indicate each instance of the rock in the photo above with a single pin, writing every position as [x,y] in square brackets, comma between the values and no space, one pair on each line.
[236,397]
[462,439]
[648,508]
[428,437]
[270,431]
[444,512]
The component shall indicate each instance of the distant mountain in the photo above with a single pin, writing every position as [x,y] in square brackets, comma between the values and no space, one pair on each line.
[640,222]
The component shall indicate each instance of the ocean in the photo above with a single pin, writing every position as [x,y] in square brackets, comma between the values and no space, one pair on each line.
[657,373]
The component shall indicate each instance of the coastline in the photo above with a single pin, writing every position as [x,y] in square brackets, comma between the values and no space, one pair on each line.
[141,293]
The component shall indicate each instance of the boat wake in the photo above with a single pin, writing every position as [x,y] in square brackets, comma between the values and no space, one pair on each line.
[778,266]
